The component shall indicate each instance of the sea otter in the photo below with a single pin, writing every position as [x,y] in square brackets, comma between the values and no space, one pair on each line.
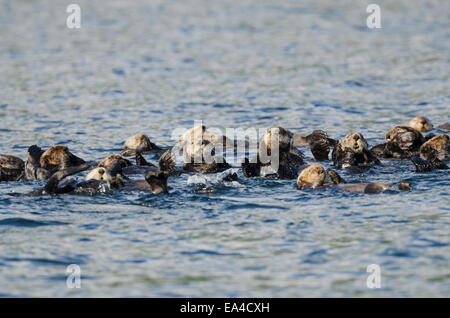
[198,153]
[402,142]
[437,147]
[11,168]
[283,162]
[315,176]
[141,166]
[421,124]
[155,181]
[42,164]
[139,143]
[353,151]
[319,143]
[433,154]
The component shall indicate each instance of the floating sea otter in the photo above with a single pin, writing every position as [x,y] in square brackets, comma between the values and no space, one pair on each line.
[319,143]
[155,181]
[283,161]
[139,143]
[352,151]
[198,148]
[433,154]
[402,142]
[315,176]
[42,164]
[11,168]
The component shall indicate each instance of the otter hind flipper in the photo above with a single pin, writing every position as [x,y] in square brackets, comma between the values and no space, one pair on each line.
[140,160]
[335,177]
[167,161]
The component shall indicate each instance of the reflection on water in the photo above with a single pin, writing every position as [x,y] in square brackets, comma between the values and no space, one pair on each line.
[151,67]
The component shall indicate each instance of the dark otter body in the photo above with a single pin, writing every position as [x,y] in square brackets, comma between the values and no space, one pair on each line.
[290,159]
[423,165]
[352,152]
[402,142]
[290,163]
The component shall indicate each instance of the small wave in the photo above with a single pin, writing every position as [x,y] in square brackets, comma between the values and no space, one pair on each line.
[21,222]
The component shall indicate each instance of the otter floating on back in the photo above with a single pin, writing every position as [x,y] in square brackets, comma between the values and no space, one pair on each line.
[352,151]
[315,176]
[290,160]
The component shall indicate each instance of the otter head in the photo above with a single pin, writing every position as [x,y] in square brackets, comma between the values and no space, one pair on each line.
[277,137]
[192,135]
[112,159]
[314,175]
[137,143]
[58,156]
[353,142]
[421,124]
[100,174]
[157,181]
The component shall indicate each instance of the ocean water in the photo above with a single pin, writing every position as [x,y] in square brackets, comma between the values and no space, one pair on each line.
[155,66]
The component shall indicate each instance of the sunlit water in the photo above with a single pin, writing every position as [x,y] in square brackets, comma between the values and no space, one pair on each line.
[153,66]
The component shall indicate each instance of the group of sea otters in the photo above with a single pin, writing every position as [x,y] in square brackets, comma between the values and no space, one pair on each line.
[352,153]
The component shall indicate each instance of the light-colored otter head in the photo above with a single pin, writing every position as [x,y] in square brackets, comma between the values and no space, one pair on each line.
[100,174]
[137,143]
[314,175]
[421,124]
[353,142]
[192,135]
[278,137]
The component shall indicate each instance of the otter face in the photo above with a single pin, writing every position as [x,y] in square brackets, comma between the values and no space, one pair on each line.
[140,143]
[157,181]
[314,176]
[353,142]
[100,174]
[278,134]
[421,124]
